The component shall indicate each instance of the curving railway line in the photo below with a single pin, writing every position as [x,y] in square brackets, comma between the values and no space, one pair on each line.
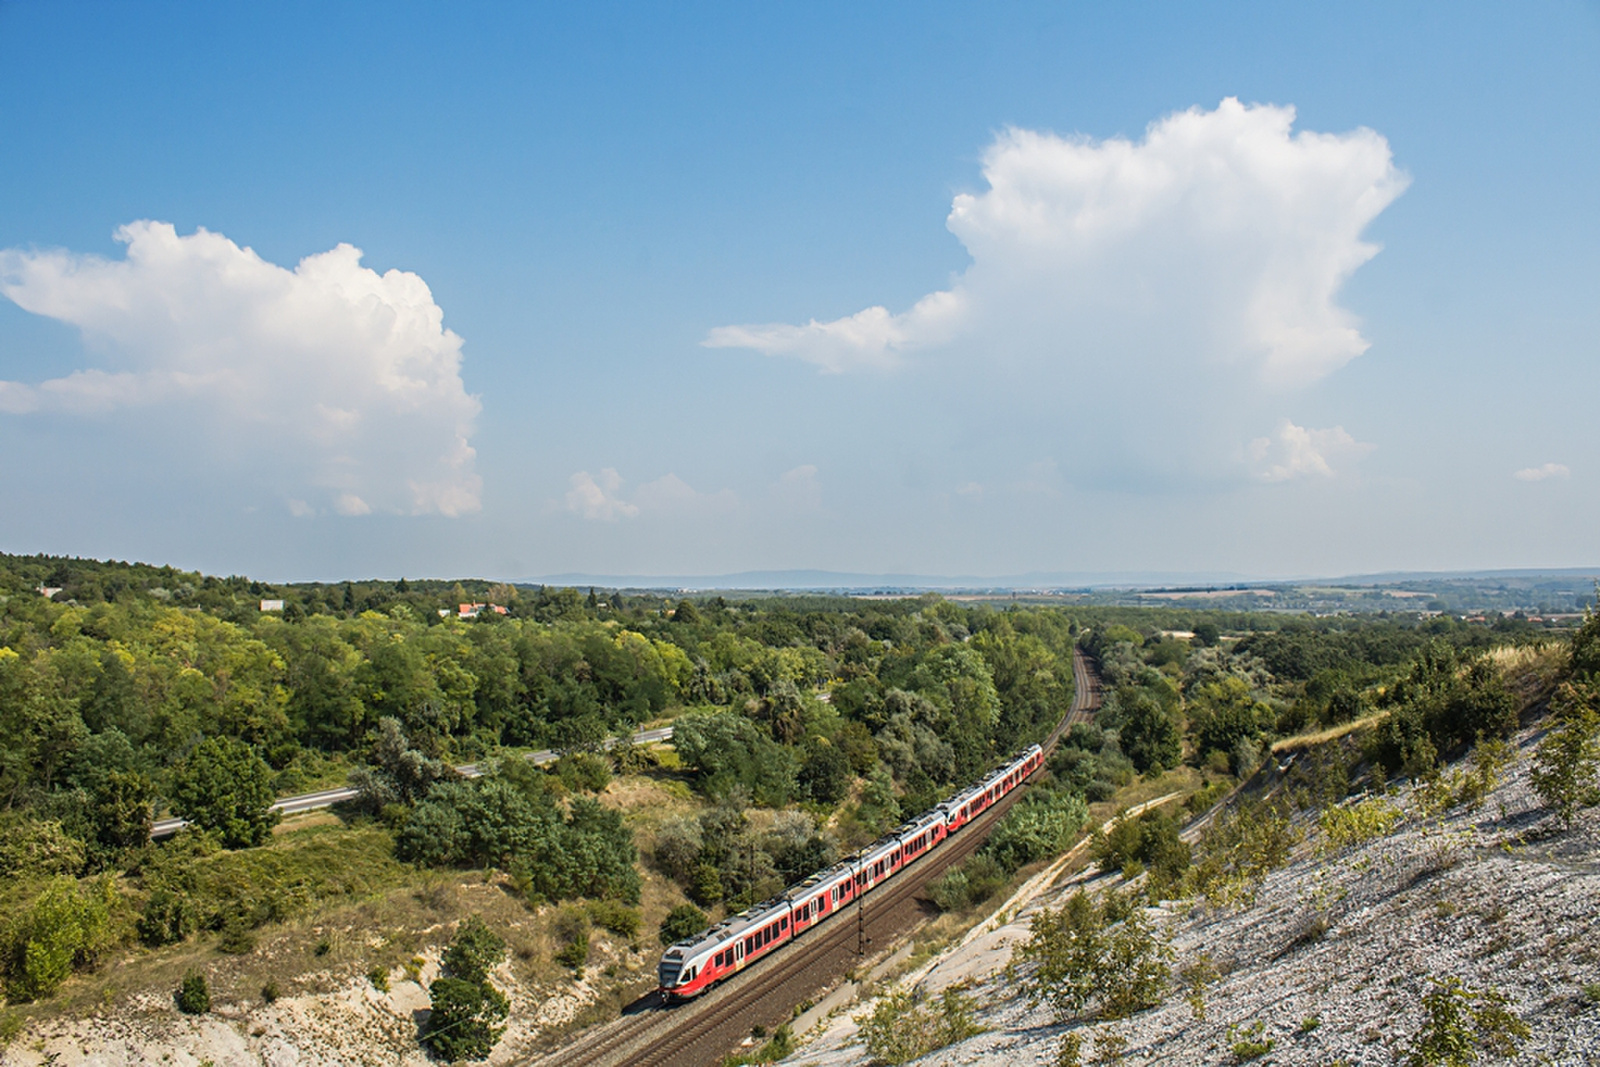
[699,1032]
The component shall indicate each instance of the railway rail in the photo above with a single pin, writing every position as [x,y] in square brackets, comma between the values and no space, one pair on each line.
[651,1033]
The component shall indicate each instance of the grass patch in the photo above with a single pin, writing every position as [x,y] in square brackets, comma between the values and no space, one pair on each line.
[1331,733]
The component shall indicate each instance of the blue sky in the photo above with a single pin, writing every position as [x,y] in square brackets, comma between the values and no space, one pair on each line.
[1176,326]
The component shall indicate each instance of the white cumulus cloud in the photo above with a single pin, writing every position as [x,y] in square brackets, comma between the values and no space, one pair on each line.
[341,383]
[1542,472]
[1297,452]
[601,497]
[1232,231]
[598,498]
[1132,304]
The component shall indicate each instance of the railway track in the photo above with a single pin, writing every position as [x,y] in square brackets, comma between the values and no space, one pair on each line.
[653,1034]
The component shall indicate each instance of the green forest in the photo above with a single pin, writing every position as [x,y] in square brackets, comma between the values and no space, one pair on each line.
[803,726]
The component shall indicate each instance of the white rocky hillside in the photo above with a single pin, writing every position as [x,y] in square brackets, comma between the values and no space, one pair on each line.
[1331,961]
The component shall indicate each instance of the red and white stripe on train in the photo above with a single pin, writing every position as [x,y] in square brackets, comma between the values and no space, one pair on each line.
[692,966]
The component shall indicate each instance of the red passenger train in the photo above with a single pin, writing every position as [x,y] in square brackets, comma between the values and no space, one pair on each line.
[693,965]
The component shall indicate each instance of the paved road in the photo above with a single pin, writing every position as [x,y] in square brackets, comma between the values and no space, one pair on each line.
[327,798]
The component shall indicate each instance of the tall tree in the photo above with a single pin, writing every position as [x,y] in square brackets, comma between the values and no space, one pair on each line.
[225,787]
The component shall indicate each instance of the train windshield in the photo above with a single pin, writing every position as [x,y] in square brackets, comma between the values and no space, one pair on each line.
[668,971]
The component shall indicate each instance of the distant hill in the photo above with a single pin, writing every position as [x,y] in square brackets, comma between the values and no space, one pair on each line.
[841,581]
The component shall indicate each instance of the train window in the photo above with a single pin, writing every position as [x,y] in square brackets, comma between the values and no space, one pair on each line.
[783,923]
[749,944]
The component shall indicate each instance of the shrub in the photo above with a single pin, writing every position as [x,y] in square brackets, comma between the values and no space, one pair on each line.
[583,772]
[474,952]
[1585,662]
[33,847]
[502,821]
[1082,960]
[571,929]
[1241,846]
[1248,1043]
[1150,842]
[237,938]
[1043,825]
[1461,1022]
[466,1019]
[1206,797]
[950,892]
[270,991]
[1370,818]
[193,995]
[899,1030]
[677,848]
[1566,765]
[64,928]
[378,975]
[825,774]
[682,922]
[1198,976]
[615,916]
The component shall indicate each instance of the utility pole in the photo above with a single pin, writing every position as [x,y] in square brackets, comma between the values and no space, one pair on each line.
[862,940]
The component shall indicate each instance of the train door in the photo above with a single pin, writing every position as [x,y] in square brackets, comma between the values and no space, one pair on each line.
[738,953]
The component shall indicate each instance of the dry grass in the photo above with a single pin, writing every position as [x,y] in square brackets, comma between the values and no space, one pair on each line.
[1313,738]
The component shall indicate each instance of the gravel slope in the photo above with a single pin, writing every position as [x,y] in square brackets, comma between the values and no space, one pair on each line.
[1501,897]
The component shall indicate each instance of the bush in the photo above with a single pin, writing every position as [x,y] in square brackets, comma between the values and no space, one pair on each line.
[1566,765]
[1148,734]
[571,929]
[33,847]
[504,821]
[1585,662]
[1043,825]
[825,774]
[193,995]
[677,848]
[616,917]
[951,892]
[1462,1022]
[973,882]
[1084,957]
[1346,827]
[1240,848]
[466,1019]
[682,922]
[237,938]
[583,772]
[1441,703]
[1150,842]
[899,1030]
[474,952]
[63,929]
[1249,1043]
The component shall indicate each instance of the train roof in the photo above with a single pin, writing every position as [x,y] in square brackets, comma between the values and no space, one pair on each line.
[822,877]
[733,925]
[921,822]
[963,795]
